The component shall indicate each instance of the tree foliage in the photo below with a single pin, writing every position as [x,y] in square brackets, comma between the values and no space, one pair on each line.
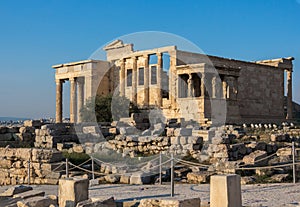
[107,109]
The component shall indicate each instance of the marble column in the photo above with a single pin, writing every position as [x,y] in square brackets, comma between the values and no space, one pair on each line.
[214,87]
[159,78]
[59,88]
[122,77]
[202,85]
[289,94]
[230,88]
[173,81]
[225,86]
[80,97]
[134,80]
[235,87]
[72,100]
[146,83]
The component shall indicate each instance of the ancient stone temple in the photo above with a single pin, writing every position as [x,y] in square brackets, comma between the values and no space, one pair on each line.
[182,84]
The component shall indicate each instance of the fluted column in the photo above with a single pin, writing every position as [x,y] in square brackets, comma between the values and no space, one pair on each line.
[122,78]
[146,83]
[289,95]
[72,100]
[159,78]
[58,115]
[202,85]
[80,97]
[134,80]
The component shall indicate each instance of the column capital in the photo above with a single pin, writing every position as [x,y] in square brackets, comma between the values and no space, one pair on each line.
[58,81]
[122,62]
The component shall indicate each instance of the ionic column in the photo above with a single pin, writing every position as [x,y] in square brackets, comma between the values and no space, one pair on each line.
[289,95]
[224,86]
[214,87]
[58,115]
[80,97]
[134,80]
[159,79]
[72,100]
[122,78]
[202,85]
[146,83]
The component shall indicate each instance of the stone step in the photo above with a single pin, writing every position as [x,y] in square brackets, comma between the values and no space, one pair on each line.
[29,194]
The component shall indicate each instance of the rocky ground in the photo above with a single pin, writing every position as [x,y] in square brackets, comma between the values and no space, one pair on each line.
[275,195]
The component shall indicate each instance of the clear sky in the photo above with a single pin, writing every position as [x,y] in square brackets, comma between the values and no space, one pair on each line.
[34,35]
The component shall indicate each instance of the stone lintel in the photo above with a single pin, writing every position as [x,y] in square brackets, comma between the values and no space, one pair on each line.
[152,51]
[76,63]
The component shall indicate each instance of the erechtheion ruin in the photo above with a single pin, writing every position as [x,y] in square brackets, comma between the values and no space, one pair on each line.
[182,84]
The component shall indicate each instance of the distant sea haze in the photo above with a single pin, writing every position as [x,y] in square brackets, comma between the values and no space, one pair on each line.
[12,118]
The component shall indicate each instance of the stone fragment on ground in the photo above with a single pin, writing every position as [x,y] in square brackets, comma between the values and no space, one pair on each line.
[98,202]
[279,178]
[37,201]
[172,202]
[15,190]
[256,158]
[29,194]
[141,178]
[247,180]
[198,177]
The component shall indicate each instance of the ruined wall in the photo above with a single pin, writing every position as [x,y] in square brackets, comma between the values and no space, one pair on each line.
[19,136]
[14,166]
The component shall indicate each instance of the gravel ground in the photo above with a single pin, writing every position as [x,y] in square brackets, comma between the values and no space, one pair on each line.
[273,195]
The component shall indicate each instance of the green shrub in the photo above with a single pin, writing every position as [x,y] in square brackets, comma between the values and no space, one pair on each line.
[76,158]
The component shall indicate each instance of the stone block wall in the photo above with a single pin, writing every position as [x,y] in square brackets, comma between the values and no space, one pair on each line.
[179,141]
[17,136]
[14,166]
[51,134]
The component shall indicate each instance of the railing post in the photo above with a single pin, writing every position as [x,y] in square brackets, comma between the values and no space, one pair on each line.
[160,168]
[172,175]
[67,167]
[93,168]
[294,167]
[28,172]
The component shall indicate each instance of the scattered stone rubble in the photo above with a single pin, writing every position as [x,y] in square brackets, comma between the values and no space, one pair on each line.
[25,196]
[223,148]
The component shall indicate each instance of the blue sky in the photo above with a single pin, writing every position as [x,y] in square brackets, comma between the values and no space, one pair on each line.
[35,35]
